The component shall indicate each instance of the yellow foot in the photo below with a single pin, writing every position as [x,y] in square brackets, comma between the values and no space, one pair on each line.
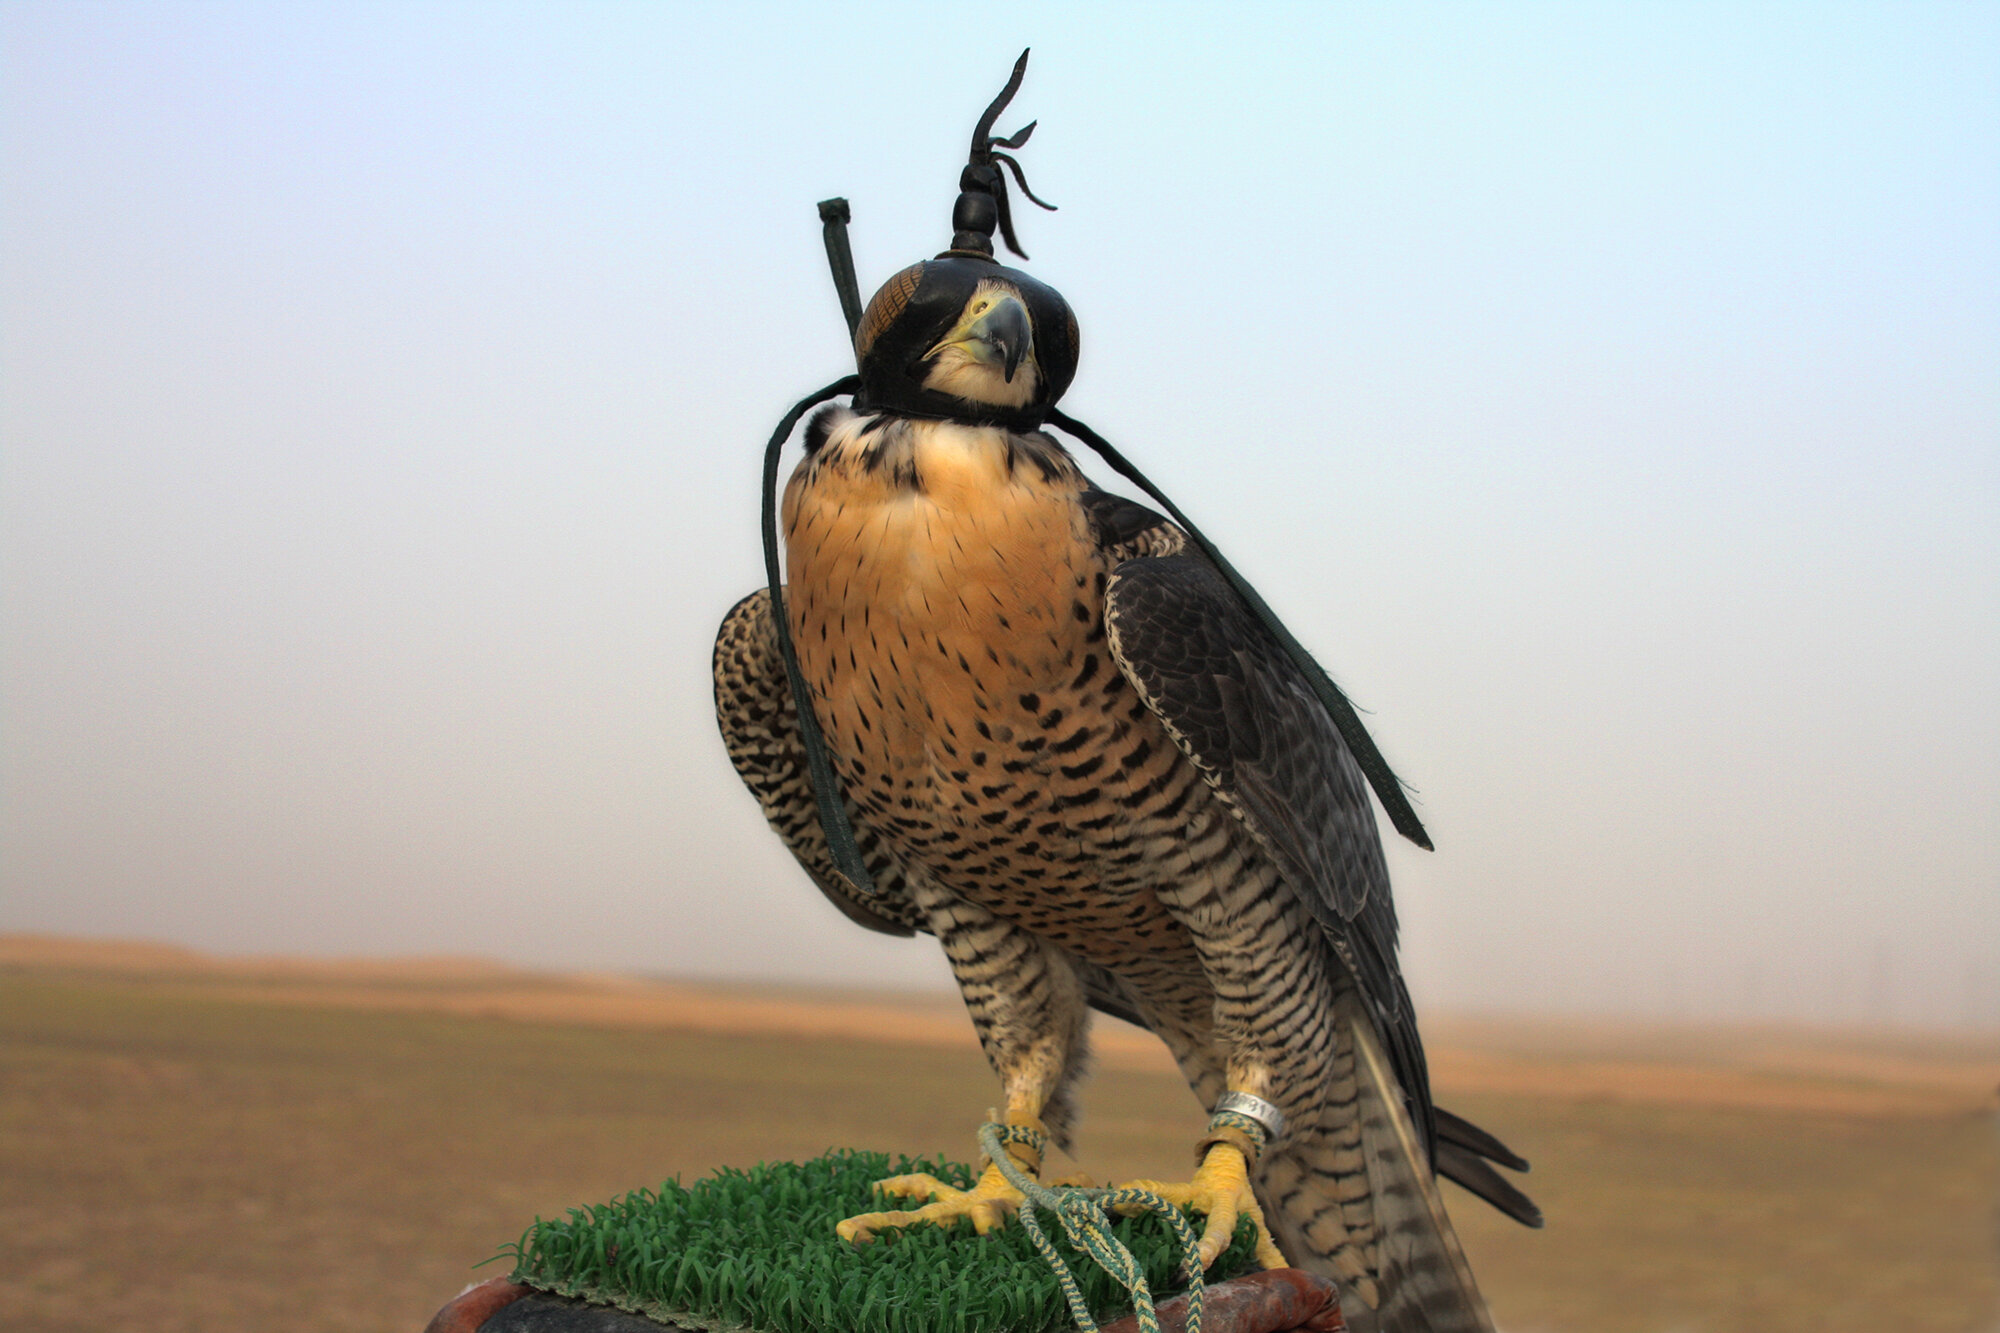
[987,1203]
[1221,1192]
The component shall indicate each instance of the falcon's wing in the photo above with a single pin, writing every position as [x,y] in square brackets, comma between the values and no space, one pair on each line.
[760,727]
[1237,707]
[1242,711]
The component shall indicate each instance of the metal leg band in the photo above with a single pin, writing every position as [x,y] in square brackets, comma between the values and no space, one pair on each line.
[1266,1114]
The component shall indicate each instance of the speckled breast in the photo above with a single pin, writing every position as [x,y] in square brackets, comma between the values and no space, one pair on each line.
[946,597]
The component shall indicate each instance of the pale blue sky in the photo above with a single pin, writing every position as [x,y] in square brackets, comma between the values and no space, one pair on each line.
[1610,394]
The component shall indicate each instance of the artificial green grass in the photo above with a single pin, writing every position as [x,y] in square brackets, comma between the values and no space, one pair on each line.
[756,1250]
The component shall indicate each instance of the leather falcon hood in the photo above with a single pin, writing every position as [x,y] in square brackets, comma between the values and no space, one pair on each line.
[919,306]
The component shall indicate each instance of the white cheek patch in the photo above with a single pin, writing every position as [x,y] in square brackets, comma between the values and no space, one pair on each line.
[958,372]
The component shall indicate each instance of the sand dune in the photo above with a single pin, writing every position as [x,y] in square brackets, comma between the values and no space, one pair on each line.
[1770,1067]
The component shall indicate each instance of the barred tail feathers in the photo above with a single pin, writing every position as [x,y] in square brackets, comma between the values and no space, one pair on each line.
[1353,1198]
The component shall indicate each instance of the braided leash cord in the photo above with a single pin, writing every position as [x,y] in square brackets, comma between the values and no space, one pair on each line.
[1087,1224]
[1241,1131]
[1238,1120]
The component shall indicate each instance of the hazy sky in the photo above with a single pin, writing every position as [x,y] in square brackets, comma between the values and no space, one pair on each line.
[1609,394]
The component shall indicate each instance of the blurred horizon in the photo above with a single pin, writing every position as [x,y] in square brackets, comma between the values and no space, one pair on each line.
[420,974]
[1609,396]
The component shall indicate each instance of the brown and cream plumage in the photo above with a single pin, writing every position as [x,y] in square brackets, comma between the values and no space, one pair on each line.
[1070,753]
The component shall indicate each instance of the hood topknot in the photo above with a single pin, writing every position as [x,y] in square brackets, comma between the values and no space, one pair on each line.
[918,306]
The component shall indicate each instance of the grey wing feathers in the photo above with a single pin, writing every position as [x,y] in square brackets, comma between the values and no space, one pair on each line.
[1238,707]
[759,721]
[1235,704]
[1467,1154]
[1127,530]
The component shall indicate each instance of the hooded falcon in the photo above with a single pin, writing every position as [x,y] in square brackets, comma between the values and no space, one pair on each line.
[1070,751]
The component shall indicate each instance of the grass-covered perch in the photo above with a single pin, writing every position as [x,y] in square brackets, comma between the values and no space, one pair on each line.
[756,1250]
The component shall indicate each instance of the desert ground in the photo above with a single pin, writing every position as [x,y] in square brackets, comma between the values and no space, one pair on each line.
[194,1143]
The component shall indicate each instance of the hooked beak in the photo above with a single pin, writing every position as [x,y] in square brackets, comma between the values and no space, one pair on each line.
[1000,333]
[1005,329]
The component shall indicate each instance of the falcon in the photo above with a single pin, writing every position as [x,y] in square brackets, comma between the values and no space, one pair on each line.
[1069,750]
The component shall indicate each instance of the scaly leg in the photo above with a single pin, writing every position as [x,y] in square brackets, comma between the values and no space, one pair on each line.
[1029,1010]
[1221,1191]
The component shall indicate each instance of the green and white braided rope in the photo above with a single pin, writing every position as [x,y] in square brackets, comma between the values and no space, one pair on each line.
[1086,1221]
[1249,1126]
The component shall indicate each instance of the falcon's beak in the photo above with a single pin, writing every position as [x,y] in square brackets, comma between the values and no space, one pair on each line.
[1004,328]
[1001,332]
